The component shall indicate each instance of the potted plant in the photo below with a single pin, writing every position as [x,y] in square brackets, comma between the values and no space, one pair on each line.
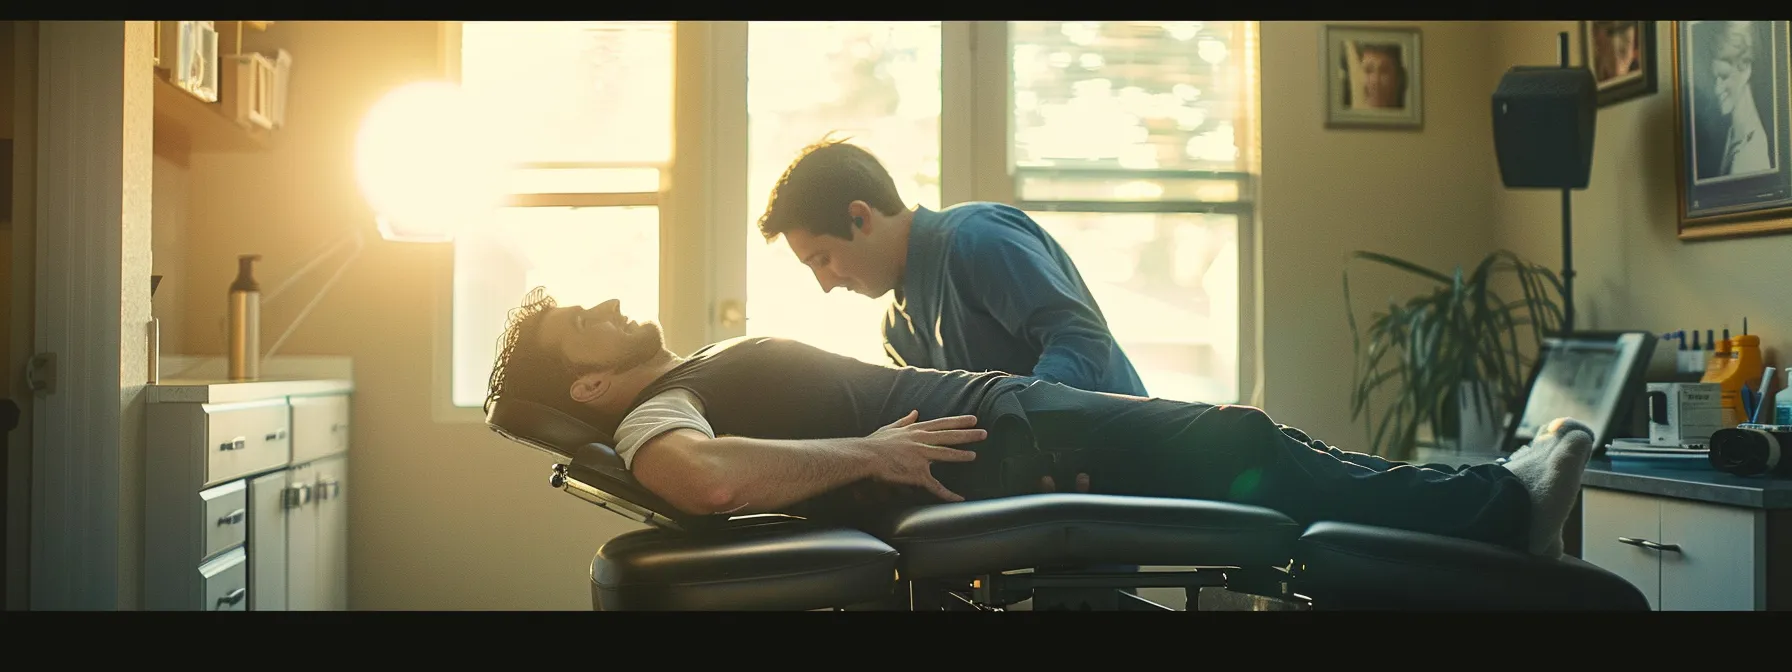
[1457,357]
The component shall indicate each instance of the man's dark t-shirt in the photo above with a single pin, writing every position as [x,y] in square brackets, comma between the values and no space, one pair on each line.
[774,388]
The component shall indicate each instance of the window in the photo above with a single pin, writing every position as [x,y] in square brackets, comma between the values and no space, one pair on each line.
[880,87]
[587,108]
[1132,144]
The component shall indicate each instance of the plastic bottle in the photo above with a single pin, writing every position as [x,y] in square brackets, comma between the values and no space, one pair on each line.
[1718,358]
[245,321]
[1783,401]
[1744,366]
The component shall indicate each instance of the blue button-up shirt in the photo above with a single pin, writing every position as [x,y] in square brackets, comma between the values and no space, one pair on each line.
[986,289]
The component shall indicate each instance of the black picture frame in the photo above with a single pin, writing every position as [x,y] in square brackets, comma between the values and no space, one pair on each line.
[1597,47]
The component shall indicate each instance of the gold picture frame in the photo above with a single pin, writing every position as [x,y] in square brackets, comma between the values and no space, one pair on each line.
[1730,184]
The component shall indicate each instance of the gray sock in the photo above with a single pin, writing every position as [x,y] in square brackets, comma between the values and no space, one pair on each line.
[1551,474]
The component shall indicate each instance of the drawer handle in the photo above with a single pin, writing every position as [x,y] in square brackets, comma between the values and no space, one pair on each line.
[234,597]
[232,518]
[237,443]
[298,495]
[276,435]
[337,427]
[1645,543]
[328,489]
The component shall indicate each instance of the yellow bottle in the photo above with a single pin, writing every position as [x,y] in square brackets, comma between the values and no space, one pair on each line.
[1743,366]
[1721,356]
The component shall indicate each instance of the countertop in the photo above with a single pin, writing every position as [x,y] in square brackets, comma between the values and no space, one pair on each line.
[1705,484]
[1695,480]
[201,379]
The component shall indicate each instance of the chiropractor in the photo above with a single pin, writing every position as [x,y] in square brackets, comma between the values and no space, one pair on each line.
[978,286]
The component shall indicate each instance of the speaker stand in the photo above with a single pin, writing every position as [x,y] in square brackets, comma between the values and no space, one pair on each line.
[1567,224]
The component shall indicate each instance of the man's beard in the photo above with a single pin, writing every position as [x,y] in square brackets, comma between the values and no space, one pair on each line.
[644,344]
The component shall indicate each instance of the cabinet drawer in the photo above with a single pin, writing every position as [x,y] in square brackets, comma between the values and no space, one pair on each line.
[226,582]
[1612,524]
[319,427]
[224,517]
[245,439]
[1712,557]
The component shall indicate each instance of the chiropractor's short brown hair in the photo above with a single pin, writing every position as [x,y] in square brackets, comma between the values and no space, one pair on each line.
[814,191]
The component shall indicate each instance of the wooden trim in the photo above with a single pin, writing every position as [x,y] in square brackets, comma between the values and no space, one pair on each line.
[23,315]
[94,100]
[1240,208]
[1776,556]
[594,200]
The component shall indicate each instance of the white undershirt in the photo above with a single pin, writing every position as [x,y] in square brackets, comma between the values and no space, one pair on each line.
[676,408]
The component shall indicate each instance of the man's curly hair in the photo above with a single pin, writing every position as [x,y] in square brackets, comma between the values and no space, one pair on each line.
[814,191]
[526,370]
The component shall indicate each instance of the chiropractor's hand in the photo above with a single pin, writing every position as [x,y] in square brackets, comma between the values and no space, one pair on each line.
[906,450]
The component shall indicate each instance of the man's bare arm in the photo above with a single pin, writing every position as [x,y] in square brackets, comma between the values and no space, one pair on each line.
[740,475]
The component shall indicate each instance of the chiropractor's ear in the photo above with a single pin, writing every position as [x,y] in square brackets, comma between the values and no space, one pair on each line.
[590,387]
[859,211]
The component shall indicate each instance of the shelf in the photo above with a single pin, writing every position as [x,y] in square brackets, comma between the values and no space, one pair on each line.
[185,124]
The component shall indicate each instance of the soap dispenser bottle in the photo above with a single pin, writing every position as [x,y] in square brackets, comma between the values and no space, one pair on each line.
[245,321]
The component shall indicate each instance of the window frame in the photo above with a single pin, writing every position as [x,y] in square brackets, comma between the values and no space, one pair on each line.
[703,187]
[998,178]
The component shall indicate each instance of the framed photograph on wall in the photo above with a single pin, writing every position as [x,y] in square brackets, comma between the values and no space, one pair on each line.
[1621,55]
[1732,95]
[1373,77]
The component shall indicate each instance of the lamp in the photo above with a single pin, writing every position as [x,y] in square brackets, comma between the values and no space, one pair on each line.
[427,161]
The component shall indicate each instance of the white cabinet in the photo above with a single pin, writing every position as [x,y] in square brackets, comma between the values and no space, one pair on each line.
[267,539]
[246,496]
[1684,555]
[316,542]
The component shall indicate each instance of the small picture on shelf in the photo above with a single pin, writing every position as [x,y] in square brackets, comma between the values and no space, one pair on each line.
[195,61]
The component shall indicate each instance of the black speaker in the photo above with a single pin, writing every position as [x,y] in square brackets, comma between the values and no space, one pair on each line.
[1543,119]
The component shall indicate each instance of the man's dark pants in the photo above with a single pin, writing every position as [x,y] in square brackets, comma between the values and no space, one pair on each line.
[1164,448]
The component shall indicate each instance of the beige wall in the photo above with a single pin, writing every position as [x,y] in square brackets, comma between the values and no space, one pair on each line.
[1633,272]
[169,213]
[1420,195]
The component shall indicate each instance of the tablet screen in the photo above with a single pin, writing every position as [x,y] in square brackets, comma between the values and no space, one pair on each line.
[1581,378]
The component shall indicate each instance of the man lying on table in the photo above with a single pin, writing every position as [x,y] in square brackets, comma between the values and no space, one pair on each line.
[753,425]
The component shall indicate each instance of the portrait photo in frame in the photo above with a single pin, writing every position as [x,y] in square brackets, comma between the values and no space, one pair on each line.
[1374,77]
[1732,94]
[1621,55]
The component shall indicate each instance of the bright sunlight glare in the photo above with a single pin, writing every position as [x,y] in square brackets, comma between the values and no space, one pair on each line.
[424,175]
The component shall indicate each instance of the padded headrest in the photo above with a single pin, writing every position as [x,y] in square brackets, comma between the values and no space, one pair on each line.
[543,426]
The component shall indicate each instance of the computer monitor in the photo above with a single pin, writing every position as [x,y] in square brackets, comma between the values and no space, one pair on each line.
[1593,377]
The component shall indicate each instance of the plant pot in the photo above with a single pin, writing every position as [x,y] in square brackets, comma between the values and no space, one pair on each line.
[1480,418]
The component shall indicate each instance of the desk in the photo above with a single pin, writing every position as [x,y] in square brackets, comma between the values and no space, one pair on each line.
[1691,540]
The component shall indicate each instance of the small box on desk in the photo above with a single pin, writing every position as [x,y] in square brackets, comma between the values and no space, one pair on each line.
[1683,413]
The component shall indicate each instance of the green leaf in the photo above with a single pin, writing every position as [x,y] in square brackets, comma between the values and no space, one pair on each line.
[1428,345]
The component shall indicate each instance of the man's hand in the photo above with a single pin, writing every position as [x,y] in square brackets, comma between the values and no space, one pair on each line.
[905,450]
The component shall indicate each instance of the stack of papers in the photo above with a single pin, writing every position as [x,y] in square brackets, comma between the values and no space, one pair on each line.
[1642,447]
